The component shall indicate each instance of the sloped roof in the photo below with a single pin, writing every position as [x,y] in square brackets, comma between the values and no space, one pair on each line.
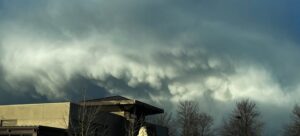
[110,98]
[126,104]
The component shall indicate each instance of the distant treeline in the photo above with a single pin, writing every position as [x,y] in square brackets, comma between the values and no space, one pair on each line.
[244,120]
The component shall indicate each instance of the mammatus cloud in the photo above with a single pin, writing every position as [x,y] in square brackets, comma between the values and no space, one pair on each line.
[160,52]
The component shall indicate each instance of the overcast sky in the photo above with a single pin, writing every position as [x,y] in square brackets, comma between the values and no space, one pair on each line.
[159,51]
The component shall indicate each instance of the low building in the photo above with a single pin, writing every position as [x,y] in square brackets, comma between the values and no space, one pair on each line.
[31,131]
[110,116]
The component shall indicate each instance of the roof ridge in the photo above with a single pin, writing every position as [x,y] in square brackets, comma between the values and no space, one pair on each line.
[110,98]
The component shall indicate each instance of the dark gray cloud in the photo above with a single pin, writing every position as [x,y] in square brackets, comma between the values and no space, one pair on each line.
[215,52]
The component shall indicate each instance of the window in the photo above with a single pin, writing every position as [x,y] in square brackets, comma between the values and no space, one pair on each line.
[8,123]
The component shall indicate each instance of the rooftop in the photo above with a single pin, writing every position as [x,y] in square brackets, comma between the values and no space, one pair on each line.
[110,98]
[120,103]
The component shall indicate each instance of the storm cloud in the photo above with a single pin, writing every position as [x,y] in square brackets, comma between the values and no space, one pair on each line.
[162,52]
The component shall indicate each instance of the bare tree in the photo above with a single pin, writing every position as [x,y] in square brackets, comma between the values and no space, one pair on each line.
[134,124]
[205,123]
[192,122]
[165,120]
[243,121]
[293,129]
[84,121]
[187,116]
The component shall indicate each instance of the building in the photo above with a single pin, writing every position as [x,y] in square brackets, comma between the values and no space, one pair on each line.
[110,116]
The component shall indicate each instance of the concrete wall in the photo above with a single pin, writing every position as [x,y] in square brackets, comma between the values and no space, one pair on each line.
[45,114]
